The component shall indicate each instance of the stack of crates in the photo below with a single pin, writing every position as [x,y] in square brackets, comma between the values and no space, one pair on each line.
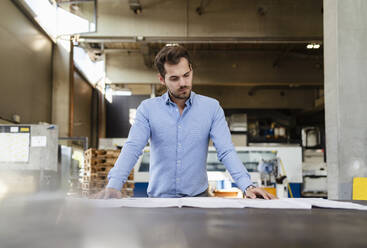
[97,164]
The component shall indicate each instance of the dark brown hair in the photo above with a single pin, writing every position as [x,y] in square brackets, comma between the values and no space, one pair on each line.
[171,55]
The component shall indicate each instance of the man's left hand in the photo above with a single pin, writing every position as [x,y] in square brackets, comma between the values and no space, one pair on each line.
[253,193]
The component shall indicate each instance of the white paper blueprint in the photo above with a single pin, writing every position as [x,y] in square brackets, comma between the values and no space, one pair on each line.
[129,202]
[323,203]
[216,202]
[210,202]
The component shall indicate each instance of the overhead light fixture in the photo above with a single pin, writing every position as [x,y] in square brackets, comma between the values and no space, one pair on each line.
[122,92]
[107,80]
[313,46]
[135,6]
[108,94]
[172,44]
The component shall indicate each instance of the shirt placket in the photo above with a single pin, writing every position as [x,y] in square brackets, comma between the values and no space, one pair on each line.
[180,148]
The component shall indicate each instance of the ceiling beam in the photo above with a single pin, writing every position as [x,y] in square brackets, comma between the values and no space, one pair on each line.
[248,84]
[182,40]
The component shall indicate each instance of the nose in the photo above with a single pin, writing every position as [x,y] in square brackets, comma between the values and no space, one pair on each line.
[182,82]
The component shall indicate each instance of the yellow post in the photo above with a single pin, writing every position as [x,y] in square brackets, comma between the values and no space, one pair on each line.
[289,187]
[360,188]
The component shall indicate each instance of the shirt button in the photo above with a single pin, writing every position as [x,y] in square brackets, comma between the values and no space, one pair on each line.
[177,179]
[179,126]
[178,161]
[176,110]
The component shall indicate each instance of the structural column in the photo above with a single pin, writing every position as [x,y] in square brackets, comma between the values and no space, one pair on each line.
[61,86]
[345,54]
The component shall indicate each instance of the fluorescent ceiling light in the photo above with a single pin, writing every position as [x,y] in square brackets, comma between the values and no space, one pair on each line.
[122,92]
[172,44]
[108,94]
[313,46]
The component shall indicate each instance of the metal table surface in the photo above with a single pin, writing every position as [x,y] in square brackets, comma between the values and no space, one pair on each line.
[49,222]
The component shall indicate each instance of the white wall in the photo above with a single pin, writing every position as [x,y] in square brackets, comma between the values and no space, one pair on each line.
[25,68]
[61,87]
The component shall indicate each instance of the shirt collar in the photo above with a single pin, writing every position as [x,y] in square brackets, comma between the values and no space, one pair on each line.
[168,100]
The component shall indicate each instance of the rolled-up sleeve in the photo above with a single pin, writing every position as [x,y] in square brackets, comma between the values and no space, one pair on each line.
[221,137]
[138,138]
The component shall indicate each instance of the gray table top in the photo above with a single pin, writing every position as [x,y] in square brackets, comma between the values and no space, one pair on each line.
[52,223]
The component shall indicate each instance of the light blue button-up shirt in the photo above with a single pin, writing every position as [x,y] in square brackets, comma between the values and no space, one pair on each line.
[178,146]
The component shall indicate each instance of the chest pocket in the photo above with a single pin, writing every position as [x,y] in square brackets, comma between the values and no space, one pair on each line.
[197,133]
[163,129]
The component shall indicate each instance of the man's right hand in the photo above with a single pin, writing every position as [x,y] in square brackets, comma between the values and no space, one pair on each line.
[107,193]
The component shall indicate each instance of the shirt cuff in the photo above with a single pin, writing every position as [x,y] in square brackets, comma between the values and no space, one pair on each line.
[114,183]
[244,185]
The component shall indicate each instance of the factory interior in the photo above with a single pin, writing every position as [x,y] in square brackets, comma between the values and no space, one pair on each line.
[289,75]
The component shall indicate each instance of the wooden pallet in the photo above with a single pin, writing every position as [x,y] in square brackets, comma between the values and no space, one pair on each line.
[97,185]
[101,154]
[97,169]
[131,176]
[129,185]
[98,163]
[94,176]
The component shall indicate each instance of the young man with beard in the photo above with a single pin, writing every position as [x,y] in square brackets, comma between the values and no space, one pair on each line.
[179,125]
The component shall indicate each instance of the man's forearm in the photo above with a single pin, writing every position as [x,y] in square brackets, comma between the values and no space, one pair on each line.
[124,164]
[237,170]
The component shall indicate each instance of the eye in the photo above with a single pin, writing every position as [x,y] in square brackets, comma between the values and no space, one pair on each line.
[174,78]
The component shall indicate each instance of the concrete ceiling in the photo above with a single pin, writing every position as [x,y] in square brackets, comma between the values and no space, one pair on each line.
[243,38]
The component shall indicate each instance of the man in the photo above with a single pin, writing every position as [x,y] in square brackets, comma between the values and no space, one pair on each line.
[179,125]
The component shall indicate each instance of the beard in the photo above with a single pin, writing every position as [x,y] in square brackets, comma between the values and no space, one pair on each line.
[179,94]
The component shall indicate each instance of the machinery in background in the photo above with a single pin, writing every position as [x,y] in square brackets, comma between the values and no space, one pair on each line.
[33,158]
[237,122]
[219,178]
[314,173]
[267,131]
[141,174]
[28,159]
[111,143]
[264,166]
[311,137]
[314,166]
[268,170]
[273,174]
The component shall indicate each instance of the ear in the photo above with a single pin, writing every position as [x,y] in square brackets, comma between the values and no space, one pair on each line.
[161,79]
